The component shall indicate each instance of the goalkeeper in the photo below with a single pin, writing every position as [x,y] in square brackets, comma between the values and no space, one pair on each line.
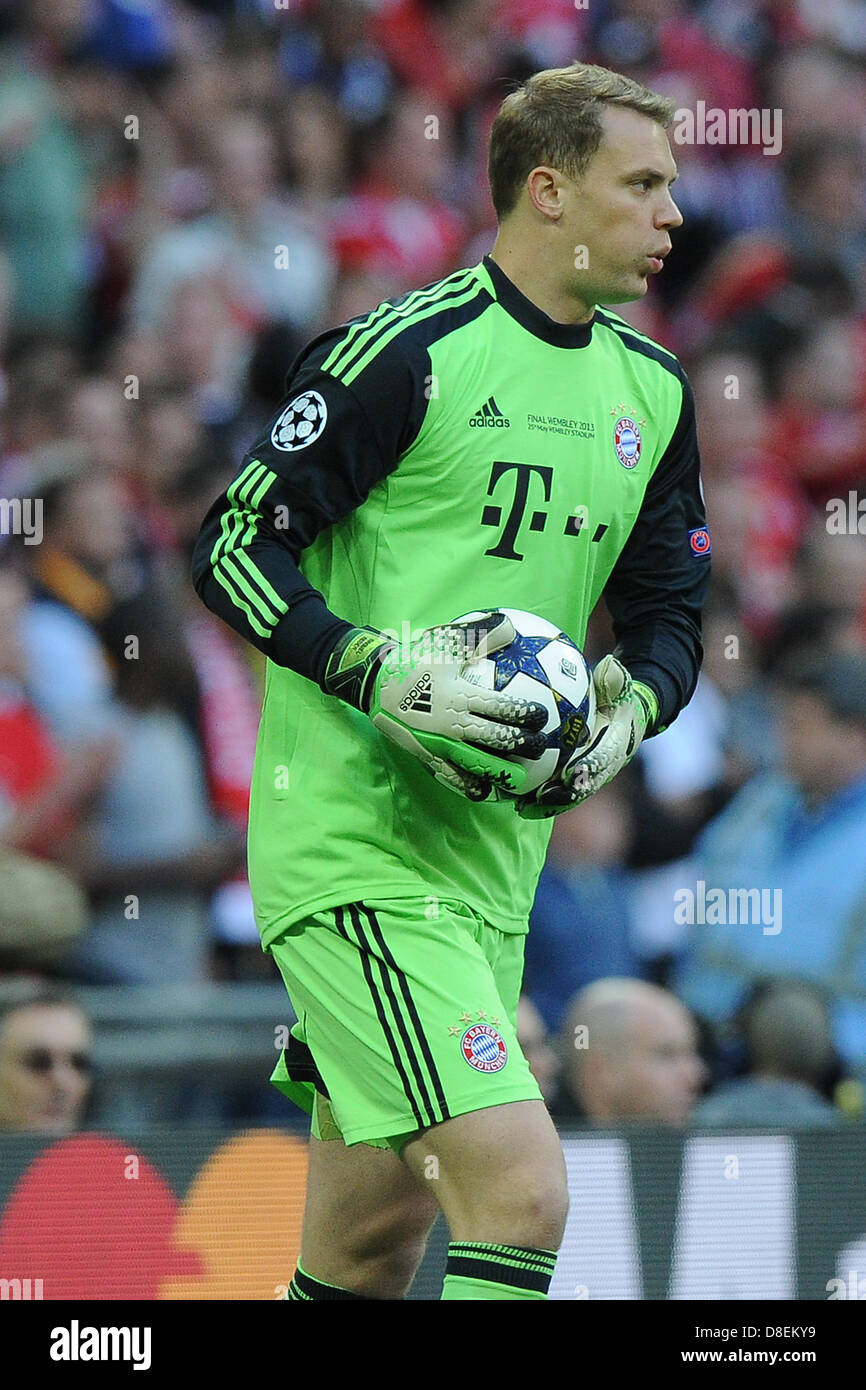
[493,440]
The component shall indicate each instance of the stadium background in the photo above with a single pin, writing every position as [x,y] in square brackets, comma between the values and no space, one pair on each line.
[188,192]
[208,1214]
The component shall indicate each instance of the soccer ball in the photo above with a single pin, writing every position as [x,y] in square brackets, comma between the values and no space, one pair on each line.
[544,665]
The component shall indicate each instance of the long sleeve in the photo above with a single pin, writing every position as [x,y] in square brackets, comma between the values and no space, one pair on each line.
[317,461]
[659,584]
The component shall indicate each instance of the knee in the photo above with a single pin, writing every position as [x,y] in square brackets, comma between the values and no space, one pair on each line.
[527,1206]
[386,1251]
[544,1209]
[395,1268]
[540,1208]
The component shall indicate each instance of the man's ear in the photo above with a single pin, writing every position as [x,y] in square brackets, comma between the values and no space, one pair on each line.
[544,193]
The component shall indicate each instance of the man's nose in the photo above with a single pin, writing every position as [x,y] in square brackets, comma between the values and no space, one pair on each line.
[670,215]
[64,1077]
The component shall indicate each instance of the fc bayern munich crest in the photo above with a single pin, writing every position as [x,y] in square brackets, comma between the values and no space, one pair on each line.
[627,441]
[484,1048]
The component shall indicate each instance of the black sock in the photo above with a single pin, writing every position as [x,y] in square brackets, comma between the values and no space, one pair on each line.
[305,1289]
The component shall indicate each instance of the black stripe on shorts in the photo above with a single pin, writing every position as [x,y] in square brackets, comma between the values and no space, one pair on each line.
[384,980]
[379,1006]
[389,972]
[411,1009]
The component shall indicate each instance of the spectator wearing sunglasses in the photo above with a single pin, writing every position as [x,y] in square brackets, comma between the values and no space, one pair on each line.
[45,1064]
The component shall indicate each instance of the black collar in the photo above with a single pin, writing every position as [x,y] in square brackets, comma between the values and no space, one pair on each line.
[533,319]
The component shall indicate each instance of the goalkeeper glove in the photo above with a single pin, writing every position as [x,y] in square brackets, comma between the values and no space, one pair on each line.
[626,709]
[420,699]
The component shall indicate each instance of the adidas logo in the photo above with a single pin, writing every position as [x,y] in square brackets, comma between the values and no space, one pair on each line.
[420,697]
[489,417]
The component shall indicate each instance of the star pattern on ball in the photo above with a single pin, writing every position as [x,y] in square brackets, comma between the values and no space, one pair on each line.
[566,710]
[564,705]
[520,655]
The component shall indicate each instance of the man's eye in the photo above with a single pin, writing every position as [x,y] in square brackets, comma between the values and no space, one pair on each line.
[646,184]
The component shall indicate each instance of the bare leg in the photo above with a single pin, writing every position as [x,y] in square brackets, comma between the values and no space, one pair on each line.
[366,1219]
[501,1175]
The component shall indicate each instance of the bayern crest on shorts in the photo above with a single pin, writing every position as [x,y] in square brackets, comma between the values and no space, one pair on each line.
[484,1048]
[627,441]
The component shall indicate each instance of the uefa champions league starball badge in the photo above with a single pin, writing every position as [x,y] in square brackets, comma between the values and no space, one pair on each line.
[301,422]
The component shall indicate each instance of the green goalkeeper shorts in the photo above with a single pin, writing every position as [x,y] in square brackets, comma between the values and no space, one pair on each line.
[407,1016]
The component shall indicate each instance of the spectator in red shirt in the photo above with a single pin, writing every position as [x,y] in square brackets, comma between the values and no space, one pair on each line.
[43,791]
[397,222]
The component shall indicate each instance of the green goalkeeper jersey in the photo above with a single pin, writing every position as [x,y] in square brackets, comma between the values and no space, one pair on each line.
[452,450]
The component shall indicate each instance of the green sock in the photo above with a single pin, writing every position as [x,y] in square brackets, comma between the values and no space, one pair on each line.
[477,1270]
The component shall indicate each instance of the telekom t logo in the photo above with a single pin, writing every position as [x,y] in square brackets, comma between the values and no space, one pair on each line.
[492,516]
[523,481]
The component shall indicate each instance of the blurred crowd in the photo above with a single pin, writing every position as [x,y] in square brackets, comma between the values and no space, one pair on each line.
[191,189]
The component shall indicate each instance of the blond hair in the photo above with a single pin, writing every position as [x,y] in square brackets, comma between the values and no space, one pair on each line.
[554,118]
